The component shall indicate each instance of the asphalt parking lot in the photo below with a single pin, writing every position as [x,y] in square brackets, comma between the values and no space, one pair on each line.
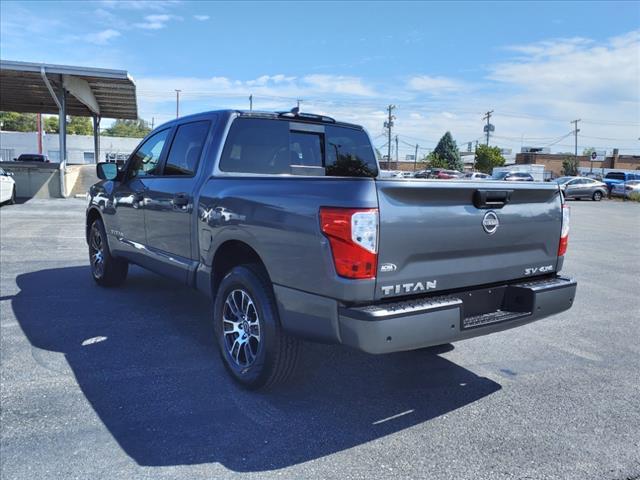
[126,383]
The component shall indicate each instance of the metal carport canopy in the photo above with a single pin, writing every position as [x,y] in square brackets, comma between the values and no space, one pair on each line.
[67,90]
[92,91]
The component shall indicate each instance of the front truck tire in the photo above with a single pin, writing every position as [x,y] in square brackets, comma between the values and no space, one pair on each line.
[106,270]
[254,348]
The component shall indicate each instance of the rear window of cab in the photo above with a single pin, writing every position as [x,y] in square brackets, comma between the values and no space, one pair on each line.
[276,147]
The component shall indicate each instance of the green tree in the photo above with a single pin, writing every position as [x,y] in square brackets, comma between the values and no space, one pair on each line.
[588,151]
[436,161]
[487,158]
[570,166]
[80,126]
[128,128]
[448,151]
[18,122]
[75,125]
[51,124]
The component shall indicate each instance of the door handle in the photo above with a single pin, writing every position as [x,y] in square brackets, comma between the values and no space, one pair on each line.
[181,199]
[138,196]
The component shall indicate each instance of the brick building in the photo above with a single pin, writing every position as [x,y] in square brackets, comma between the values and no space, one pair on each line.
[553,161]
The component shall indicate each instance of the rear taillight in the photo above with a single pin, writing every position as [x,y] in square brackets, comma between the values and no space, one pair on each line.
[353,235]
[564,233]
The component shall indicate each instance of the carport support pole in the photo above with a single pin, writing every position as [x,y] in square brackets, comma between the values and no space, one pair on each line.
[96,138]
[62,137]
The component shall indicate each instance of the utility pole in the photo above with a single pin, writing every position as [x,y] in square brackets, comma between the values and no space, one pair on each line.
[415,158]
[388,125]
[396,151]
[153,122]
[487,117]
[299,100]
[251,102]
[178,103]
[575,135]
[39,127]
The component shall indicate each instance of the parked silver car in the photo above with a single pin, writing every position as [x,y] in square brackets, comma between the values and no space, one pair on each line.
[625,189]
[476,176]
[582,187]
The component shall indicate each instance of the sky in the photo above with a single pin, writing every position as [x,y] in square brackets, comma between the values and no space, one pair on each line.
[536,65]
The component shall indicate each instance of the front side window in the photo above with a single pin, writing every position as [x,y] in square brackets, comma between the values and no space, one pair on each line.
[186,148]
[147,158]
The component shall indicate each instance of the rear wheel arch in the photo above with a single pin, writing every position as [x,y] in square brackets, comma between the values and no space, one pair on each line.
[230,254]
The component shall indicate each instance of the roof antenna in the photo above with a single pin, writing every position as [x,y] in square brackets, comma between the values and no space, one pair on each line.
[295,110]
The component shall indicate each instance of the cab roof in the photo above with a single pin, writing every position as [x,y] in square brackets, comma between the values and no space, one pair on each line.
[290,115]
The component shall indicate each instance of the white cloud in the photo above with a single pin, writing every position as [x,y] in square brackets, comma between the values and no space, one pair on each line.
[577,71]
[154,22]
[202,18]
[103,37]
[277,86]
[158,5]
[339,84]
[434,84]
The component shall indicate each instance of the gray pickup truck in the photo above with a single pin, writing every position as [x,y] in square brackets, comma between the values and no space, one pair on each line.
[284,221]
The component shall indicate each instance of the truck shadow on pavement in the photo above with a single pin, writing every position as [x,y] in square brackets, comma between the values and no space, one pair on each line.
[145,359]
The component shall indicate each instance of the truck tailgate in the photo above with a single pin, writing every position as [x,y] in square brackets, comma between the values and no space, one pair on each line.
[440,235]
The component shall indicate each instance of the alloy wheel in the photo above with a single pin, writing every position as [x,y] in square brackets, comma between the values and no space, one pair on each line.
[96,253]
[241,328]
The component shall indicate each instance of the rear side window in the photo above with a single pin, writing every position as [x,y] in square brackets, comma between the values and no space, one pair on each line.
[277,146]
[186,148]
[257,146]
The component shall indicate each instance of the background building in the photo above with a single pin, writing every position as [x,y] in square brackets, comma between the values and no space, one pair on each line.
[80,149]
[553,162]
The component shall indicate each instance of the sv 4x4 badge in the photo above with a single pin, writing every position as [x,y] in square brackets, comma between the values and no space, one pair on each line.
[534,270]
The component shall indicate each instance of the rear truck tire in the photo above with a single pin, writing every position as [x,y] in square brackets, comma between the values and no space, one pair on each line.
[254,348]
[12,200]
[106,270]
[597,196]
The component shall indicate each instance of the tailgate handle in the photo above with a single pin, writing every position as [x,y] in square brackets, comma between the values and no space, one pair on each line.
[491,198]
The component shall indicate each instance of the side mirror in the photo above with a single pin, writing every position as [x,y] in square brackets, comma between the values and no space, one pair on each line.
[107,171]
[9,174]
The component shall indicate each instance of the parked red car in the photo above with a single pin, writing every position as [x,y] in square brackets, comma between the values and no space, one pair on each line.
[448,174]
